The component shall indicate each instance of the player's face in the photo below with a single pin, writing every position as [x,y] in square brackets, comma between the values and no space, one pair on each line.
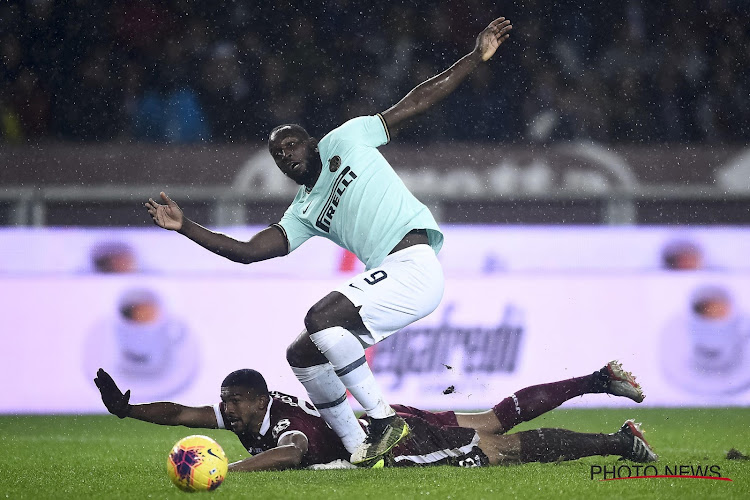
[296,157]
[244,411]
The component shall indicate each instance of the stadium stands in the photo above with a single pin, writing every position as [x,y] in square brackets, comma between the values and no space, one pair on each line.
[633,112]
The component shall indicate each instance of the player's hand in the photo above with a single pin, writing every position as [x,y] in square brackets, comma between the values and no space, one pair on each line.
[168,216]
[492,37]
[116,402]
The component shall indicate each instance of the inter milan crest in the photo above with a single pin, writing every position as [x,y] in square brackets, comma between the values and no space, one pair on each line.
[334,163]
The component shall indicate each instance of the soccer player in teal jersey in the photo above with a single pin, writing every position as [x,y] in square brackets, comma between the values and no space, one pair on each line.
[350,194]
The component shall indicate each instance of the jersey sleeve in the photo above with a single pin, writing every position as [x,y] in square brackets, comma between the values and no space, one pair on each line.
[287,433]
[368,130]
[219,416]
[323,445]
[294,229]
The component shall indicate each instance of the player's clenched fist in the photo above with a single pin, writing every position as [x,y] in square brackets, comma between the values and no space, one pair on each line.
[492,37]
[168,216]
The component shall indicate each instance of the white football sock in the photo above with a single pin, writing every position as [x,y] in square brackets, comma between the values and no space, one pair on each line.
[347,356]
[328,395]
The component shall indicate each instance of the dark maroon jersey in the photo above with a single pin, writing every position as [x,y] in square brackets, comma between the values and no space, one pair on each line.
[289,414]
[431,444]
[439,418]
[436,439]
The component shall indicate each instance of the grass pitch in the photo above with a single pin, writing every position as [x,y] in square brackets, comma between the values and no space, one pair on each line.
[103,457]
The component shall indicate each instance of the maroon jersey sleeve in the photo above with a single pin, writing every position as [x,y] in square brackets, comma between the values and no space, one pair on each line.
[323,445]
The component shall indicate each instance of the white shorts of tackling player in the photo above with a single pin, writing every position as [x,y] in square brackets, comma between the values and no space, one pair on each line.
[406,287]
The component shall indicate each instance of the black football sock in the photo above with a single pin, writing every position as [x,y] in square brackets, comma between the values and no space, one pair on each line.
[551,445]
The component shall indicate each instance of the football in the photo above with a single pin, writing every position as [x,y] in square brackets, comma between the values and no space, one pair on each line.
[197,463]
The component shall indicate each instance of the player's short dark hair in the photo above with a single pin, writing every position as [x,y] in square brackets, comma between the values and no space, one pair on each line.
[298,130]
[250,379]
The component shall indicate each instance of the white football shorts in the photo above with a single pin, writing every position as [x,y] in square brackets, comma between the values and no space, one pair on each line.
[406,287]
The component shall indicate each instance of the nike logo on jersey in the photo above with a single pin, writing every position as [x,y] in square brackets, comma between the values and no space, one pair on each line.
[329,209]
[358,288]
[305,210]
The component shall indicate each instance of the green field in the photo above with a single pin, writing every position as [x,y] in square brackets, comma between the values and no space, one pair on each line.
[103,457]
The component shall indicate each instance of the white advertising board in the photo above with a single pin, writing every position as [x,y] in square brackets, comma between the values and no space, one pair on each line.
[685,335]
[468,251]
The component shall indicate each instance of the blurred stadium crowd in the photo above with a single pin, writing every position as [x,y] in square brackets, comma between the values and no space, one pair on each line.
[180,71]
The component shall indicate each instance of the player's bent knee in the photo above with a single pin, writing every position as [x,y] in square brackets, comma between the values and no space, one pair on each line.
[292,355]
[333,310]
[315,319]
[323,314]
[303,353]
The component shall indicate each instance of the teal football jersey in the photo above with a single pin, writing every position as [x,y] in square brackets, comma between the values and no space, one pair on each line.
[358,202]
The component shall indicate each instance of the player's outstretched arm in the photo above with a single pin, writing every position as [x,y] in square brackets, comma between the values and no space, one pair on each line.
[287,455]
[436,88]
[267,244]
[164,413]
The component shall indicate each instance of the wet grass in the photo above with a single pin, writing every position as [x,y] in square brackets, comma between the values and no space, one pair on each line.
[103,457]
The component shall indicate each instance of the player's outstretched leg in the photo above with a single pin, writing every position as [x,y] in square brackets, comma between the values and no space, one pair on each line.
[638,449]
[552,445]
[530,402]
